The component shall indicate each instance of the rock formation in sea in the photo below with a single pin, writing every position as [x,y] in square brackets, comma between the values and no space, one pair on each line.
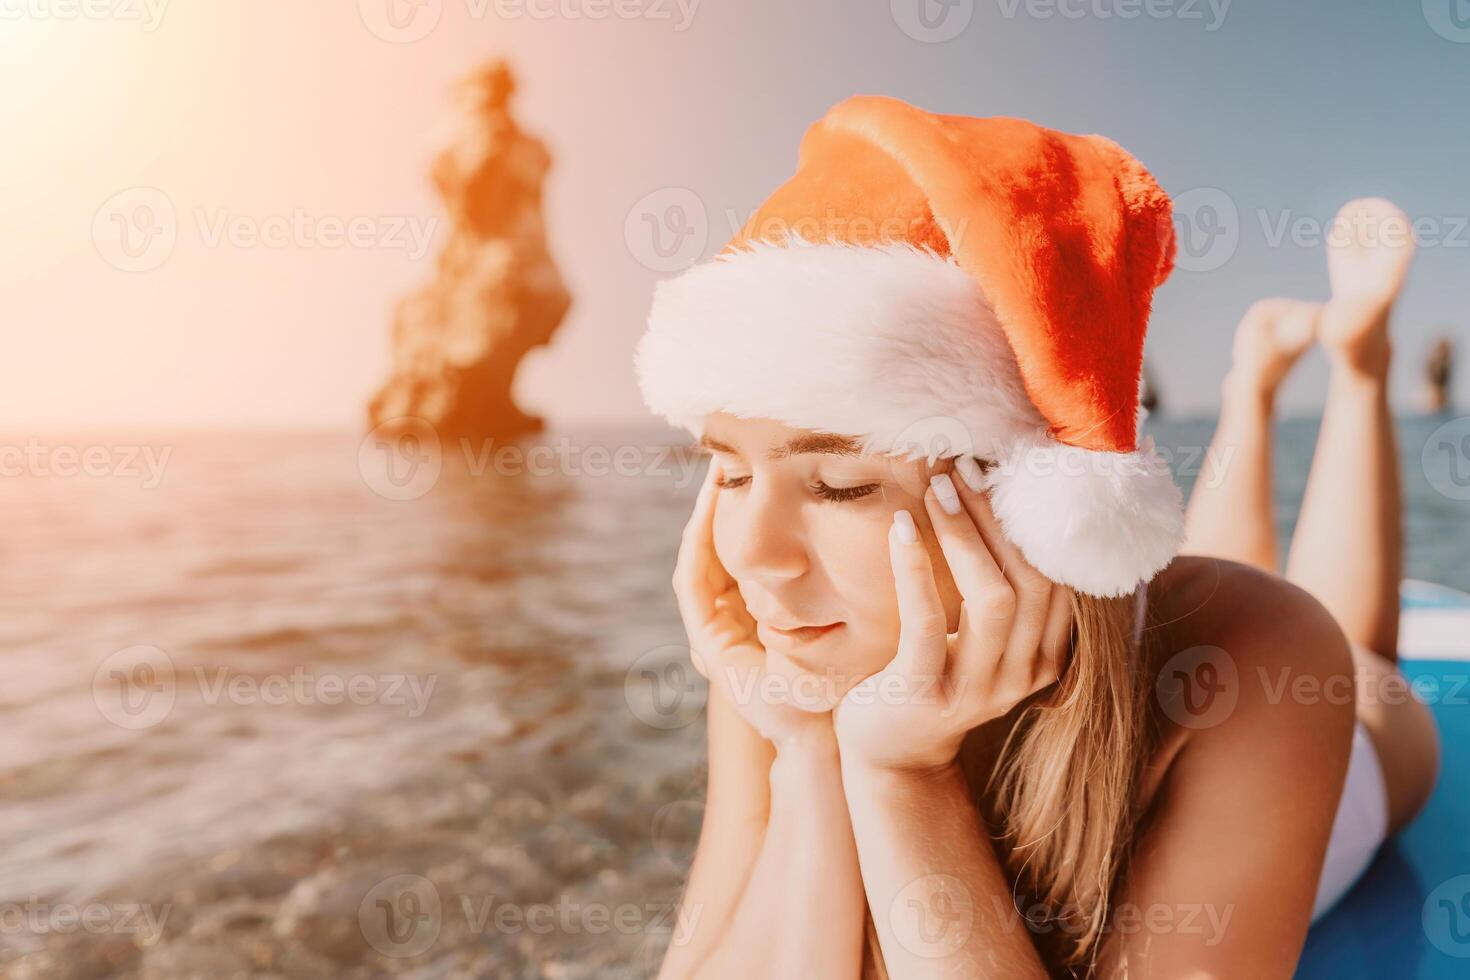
[496,294]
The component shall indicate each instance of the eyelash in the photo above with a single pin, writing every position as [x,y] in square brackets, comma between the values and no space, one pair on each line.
[833,494]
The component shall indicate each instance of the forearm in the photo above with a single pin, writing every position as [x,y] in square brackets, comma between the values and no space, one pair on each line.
[802,910]
[940,900]
[736,813]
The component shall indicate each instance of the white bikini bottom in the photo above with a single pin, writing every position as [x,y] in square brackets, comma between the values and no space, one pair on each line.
[1361,824]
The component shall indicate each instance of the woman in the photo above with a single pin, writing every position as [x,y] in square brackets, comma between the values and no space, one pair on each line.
[969,715]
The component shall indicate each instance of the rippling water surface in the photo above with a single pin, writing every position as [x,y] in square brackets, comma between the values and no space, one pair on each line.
[252,694]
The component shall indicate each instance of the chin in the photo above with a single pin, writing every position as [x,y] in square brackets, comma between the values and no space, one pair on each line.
[817,691]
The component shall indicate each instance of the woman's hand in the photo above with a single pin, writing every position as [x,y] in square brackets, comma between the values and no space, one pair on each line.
[722,638]
[1013,633]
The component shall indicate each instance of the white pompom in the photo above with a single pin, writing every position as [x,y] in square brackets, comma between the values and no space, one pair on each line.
[1099,522]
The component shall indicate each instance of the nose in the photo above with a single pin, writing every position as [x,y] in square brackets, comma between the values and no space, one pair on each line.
[763,537]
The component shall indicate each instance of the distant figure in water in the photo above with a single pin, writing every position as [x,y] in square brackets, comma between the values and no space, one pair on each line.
[1148,393]
[1439,369]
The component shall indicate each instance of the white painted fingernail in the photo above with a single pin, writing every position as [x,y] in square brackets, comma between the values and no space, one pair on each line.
[904,521]
[945,493]
[970,472]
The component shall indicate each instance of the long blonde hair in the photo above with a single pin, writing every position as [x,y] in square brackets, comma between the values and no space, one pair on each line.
[1064,790]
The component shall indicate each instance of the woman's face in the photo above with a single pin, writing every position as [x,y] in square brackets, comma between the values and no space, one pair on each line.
[801,524]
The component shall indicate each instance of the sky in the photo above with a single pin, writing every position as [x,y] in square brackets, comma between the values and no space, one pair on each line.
[265,127]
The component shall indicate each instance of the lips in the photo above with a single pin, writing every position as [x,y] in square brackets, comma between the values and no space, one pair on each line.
[805,632]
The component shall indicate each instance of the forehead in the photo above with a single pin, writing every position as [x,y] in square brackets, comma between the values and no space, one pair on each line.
[759,437]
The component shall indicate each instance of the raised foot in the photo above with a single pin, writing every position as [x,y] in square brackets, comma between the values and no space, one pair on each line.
[1271,336]
[1369,249]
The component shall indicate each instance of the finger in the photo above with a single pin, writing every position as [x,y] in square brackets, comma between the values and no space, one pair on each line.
[923,638]
[989,600]
[1023,666]
[701,586]
[693,586]
[738,671]
[1056,636]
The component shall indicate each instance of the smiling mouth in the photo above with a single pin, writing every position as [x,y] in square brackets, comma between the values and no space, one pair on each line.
[806,634]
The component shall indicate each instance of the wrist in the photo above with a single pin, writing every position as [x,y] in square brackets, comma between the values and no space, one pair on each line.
[801,766]
[931,772]
[935,755]
[810,744]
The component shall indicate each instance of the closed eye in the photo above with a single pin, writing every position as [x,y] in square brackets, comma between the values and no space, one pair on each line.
[843,493]
[822,490]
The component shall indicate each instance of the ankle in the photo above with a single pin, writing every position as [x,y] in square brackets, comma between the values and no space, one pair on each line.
[1366,363]
[1247,391]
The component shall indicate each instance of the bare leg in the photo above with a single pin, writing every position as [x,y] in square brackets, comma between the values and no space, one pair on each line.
[1229,512]
[1347,550]
[1403,732]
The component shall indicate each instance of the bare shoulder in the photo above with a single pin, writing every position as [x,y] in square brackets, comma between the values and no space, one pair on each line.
[1260,619]
[1255,691]
[1242,657]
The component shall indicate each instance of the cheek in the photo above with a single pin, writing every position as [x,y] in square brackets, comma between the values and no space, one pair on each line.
[864,576]
[725,531]
[861,572]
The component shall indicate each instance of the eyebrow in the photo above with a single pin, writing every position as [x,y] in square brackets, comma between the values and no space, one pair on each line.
[816,442]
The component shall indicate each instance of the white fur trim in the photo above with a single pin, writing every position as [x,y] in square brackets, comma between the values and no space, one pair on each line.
[889,344]
[897,347]
[1100,522]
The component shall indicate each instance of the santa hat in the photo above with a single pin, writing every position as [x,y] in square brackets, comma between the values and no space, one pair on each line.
[942,285]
